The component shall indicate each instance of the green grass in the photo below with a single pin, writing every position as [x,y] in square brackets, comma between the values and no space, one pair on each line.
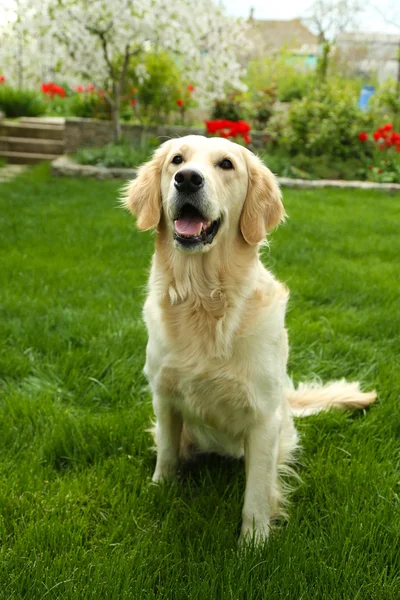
[79,517]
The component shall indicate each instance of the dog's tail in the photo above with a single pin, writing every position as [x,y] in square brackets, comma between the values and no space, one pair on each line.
[312,398]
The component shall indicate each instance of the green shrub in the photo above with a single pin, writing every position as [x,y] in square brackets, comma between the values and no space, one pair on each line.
[231,108]
[316,167]
[158,93]
[59,107]
[89,105]
[385,104]
[121,155]
[327,122]
[21,103]
[292,80]
[264,106]
[385,170]
[295,88]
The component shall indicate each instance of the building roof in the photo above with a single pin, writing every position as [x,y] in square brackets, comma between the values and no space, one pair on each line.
[273,35]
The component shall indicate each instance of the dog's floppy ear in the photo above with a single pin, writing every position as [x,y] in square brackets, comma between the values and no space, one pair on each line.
[263,208]
[142,196]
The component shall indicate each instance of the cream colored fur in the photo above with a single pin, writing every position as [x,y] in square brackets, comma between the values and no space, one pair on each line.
[217,349]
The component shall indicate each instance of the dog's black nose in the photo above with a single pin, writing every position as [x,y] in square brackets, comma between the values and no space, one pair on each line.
[188,181]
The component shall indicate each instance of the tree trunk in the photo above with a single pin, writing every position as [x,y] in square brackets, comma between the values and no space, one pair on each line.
[115,111]
[20,67]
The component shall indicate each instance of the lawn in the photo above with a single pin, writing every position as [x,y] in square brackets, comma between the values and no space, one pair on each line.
[79,517]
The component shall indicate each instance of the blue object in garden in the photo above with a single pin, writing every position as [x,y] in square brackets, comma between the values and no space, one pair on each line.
[365,94]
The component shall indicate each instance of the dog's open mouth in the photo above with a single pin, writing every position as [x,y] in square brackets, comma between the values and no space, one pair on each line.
[191,228]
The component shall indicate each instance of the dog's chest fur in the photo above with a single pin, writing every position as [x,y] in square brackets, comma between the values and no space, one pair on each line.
[201,352]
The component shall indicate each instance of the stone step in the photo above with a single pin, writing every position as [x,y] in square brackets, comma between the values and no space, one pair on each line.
[25,158]
[31,145]
[43,120]
[32,130]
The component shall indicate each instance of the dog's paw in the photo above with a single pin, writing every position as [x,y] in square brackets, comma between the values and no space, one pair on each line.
[164,475]
[253,534]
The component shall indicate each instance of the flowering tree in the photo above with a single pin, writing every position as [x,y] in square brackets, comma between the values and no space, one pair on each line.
[102,37]
[28,52]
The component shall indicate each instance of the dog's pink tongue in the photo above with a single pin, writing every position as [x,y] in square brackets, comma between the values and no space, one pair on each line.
[188,226]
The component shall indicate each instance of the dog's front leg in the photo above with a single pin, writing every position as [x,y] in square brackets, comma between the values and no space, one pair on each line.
[168,437]
[261,456]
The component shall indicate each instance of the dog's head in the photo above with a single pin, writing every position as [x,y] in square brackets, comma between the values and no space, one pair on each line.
[203,190]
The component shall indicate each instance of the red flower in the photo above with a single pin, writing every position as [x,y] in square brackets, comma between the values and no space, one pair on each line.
[2,79]
[79,88]
[395,138]
[190,88]
[90,88]
[363,136]
[227,129]
[381,146]
[387,127]
[180,103]
[132,102]
[51,89]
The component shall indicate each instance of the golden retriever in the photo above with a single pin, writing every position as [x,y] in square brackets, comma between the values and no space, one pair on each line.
[217,349]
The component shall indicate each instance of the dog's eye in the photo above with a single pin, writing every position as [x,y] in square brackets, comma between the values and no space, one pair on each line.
[226,164]
[177,160]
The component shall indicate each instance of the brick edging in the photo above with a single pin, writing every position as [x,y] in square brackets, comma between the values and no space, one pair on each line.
[65,166]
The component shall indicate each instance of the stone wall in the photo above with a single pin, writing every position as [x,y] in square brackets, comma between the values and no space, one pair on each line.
[83,133]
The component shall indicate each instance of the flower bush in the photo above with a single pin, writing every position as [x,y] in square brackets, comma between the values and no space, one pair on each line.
[229,129]
[382,154]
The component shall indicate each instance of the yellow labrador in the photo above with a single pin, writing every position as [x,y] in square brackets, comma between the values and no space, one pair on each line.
[217,349]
